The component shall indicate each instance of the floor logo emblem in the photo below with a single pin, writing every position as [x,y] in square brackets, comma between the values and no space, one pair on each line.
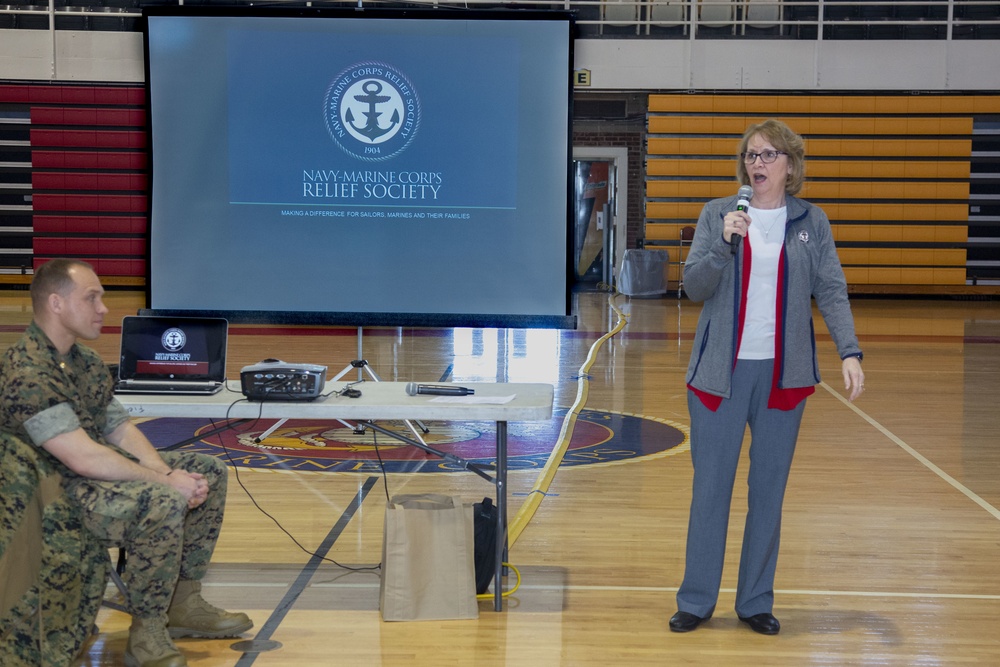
[599,438]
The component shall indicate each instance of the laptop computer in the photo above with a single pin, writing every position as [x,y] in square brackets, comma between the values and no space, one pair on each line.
[172,355]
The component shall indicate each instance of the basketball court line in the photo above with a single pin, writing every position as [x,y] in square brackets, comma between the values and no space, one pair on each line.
[301,583]
[802,592]
[651,589]
[971,495]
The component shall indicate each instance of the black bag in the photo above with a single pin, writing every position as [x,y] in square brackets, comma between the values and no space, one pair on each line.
[485,525]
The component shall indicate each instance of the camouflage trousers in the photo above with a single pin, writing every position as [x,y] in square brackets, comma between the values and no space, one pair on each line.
[164,540]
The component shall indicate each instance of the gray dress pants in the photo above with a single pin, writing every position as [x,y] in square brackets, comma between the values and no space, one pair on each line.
[716,441]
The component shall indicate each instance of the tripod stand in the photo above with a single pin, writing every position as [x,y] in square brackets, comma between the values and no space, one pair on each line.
[362,366]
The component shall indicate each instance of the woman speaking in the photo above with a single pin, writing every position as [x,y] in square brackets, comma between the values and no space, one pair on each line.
[756,269]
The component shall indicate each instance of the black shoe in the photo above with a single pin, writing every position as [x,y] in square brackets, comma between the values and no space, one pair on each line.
[683,621]
[765,624]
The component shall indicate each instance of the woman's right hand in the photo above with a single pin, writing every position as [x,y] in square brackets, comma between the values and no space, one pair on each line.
[735,222]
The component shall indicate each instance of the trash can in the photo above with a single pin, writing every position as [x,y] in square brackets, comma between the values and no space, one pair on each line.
[642,273]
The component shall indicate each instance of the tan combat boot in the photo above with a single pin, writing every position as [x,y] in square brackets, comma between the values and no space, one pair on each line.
[191,616]
[149,645]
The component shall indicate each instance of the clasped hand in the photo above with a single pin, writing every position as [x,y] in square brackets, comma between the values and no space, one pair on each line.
[192,485]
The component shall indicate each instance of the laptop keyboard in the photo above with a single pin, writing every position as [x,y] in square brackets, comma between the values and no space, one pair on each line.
[168,387]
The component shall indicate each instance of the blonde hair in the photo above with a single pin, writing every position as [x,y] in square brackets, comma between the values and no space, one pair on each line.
[783,139]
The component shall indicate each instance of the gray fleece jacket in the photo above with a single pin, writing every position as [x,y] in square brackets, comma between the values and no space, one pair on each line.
[714,275]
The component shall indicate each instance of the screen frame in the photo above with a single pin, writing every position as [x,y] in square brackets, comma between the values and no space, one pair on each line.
[565,320]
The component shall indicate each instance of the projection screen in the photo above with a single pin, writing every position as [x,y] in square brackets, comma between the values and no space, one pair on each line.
[360,167]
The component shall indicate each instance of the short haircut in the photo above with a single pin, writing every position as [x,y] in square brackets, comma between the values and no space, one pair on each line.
[53,278]
[783,139]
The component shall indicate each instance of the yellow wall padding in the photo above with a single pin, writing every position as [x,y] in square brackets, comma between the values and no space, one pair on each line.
[887,169]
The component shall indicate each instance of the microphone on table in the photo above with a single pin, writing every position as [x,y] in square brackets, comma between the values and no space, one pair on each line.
[744,195]
[412,389]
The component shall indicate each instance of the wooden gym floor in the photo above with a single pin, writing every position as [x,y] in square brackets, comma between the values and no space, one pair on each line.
[891,542]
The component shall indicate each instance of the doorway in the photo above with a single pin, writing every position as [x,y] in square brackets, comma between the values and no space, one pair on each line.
[600,204]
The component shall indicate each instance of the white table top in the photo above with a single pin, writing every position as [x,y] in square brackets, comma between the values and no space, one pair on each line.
[378,401]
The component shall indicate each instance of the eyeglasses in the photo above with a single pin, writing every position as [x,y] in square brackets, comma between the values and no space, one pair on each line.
[767,157]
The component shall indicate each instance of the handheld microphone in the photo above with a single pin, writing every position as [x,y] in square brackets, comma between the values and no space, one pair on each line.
[744,195]
[412,389]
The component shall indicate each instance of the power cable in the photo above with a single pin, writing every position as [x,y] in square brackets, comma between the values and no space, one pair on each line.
[548,473]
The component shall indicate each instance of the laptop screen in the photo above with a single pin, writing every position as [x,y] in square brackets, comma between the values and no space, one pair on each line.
[173,348]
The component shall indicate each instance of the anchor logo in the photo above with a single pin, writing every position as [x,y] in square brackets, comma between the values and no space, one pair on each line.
[173,339]
[372,99]
[372,111]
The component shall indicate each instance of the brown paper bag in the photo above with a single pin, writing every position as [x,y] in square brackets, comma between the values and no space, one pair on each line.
[428,559]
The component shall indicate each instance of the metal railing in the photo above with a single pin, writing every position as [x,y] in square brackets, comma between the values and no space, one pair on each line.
[794,19]
[690,19]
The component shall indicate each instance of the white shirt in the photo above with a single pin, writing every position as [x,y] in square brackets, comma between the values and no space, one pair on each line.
[766,234]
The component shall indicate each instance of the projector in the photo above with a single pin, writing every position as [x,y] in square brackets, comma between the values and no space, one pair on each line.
[276,380]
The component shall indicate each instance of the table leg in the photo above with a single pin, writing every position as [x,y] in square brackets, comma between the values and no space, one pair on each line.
[501,487]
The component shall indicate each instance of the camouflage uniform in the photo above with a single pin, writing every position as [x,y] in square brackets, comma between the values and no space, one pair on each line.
[46,394]
[52,571]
